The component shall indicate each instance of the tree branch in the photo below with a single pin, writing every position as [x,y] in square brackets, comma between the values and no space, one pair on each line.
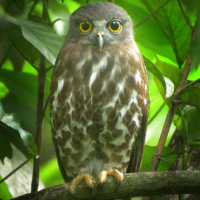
[41,106]
[170,115]
[39,123]
[136,184]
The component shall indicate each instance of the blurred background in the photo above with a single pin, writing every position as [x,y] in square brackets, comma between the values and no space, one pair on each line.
[19,58]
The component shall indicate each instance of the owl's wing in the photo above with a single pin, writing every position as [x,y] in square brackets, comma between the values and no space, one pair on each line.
[62,169]
[136,156]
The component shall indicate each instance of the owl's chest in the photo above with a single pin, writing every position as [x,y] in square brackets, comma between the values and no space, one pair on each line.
[99,81]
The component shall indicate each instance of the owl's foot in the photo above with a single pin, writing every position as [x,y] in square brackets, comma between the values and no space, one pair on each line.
[103,175]
[88,181]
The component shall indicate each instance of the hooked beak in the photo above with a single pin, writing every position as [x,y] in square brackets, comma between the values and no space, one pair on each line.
[100,35]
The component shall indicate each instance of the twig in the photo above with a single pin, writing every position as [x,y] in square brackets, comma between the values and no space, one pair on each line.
[46,13]
[194,82]
[191,83]
[157,112]
[145,19]
[136,184]
[16,169]
[46,104]
[187,20]
[6,55]
[47,69]
[170,115]
[32,7]
[18,6]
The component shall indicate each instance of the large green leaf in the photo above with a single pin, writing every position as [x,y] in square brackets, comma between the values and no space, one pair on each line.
[41,36]
[191,95]
[191,116]
[11,131]
[23,86]
[188,120]
[171,20]
[168,155]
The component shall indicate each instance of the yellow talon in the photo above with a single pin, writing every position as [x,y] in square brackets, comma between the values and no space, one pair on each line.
[103,175]
[88,181]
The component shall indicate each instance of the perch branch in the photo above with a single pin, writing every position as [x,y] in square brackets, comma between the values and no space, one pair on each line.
[136,184]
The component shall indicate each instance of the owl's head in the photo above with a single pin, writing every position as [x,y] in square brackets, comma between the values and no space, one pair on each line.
[100,24]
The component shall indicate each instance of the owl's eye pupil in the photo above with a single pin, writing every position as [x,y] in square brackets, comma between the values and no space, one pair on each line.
[115,26]
[85,26]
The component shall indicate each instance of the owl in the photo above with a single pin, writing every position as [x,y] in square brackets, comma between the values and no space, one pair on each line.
[98,97]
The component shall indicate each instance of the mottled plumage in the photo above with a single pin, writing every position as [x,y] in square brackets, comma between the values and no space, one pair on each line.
[99,94]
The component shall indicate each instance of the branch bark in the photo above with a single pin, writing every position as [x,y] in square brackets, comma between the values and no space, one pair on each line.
[136,184]
[170,115]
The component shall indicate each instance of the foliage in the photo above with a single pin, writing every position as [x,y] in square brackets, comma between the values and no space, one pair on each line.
[164,39]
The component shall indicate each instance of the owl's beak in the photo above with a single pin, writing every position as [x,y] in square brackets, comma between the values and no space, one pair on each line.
[100,35]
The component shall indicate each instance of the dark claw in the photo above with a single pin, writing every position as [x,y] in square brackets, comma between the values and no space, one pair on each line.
[90,189]
[74,196]
[118,183]
[101,184]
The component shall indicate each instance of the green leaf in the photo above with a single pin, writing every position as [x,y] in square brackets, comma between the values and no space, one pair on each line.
[11,131]
[155,71]
[23,86]
[173,24]
[41,36]
[172,76]
[28,51]
[191,115]
[195,45]
[168,155]
[4,191]
[191,95]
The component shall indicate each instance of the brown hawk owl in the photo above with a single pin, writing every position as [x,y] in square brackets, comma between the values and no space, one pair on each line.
[99,97]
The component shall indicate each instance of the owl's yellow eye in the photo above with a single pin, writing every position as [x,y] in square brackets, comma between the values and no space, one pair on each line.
[115,26]
[85,26]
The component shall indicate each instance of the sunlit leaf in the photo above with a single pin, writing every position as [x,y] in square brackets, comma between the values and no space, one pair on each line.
[169,88]
[4,191]
[50,173]
[171,20]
